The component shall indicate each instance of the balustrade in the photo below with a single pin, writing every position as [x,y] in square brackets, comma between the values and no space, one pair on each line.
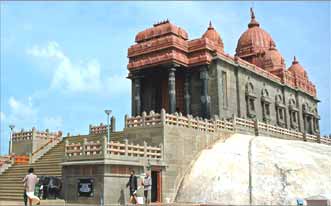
[111,150]
[213,125]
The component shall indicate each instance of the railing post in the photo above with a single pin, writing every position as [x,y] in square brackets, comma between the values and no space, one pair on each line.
[189,121]
[126,147]
[143,118]
[66,149]
[161,151]
[84,146]
[126,121]
[152,117]
[198,125]
[234,123]
[163,117]
[145,149]
[206,125]
[256,127]
[318,138]
[176,118]
[105,146]
[304,136]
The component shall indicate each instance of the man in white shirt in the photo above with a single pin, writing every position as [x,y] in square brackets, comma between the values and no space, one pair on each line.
[147,183]
[30,181]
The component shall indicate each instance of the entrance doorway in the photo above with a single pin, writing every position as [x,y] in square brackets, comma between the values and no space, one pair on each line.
[156,186]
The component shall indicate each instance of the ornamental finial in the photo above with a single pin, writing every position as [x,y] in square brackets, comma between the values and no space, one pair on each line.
[295,61]
[252,14]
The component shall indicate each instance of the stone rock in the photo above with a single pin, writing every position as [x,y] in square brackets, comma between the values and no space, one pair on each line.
[280,171]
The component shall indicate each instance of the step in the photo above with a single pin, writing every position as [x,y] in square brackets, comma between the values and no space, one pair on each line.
[11,194]
[37,169]
[12,190]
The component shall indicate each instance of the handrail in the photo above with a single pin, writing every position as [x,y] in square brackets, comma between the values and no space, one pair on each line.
[43,146]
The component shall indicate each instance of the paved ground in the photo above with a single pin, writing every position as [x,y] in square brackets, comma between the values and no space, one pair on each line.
[62,203]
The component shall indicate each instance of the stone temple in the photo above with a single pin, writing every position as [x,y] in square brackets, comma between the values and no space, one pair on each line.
[195,77]
[210,127]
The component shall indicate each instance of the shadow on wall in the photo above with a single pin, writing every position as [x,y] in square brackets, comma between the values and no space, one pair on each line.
[121,199]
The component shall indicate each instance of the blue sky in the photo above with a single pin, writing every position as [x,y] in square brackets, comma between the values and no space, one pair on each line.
[63,63]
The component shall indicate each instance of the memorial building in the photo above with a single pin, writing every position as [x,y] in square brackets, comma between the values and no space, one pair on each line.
[187,97]
[196,77]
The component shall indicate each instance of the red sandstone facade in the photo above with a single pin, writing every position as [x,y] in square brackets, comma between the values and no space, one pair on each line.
[196,77]
[166,43]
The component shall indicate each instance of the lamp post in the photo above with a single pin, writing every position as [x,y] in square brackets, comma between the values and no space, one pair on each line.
[108,112]
[11,138]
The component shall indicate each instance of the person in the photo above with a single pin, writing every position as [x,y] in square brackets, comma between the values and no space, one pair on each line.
[30,181]
[133,186]
[147,183]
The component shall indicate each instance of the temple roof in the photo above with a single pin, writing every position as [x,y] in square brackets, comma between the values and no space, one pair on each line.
[161,29]
[297,69]
[214,36]
[254,40]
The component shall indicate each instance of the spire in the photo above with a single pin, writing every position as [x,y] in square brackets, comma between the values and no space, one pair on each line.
[210,25]
[295,61]
[253,22]
[252,14]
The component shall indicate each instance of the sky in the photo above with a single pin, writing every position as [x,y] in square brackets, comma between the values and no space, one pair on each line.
[64,63]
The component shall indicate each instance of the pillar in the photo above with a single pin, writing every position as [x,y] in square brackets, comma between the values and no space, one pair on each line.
[187,95]
[205,99]
[137,95]
[172,90]
[113,124]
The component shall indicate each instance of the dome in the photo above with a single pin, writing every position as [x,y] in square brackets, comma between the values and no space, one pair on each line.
[296,68]
[161,29]
[254,40]
[213,35]
[273,60]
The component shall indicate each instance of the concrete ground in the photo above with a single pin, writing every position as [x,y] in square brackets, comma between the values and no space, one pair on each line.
[62,203]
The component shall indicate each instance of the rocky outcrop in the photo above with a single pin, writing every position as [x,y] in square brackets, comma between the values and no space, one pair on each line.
[258,170]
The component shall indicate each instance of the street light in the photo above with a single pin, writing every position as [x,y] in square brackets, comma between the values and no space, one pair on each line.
[108,112]
[11,138]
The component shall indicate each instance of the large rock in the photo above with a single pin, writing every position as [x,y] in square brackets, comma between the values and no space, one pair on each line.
[260,170]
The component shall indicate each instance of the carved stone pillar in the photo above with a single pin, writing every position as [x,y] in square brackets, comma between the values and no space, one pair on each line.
[137,95]
[172,90]
[205,99]
[187,95]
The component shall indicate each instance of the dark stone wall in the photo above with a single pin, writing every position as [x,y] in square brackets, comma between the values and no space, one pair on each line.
[237,79]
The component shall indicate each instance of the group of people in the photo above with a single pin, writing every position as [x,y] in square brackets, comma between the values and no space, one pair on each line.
[133,186]
[30,181]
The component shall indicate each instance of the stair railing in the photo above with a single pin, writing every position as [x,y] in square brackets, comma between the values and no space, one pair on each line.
[34,156]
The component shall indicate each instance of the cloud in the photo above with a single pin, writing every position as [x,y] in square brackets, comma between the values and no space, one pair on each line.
[75,77]
[22,112]
[79,77]
[53,123]
[2,116]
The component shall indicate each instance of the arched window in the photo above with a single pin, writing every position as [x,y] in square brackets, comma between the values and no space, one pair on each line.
[293,112]
[250,100]
[265,104]
[280,110]
[307,118]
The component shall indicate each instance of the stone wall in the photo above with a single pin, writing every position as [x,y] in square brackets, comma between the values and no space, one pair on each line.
[71,174]
[23,147]
[237,80]
[181,147]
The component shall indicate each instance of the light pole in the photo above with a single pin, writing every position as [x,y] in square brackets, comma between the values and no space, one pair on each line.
[11,138]
[108,112]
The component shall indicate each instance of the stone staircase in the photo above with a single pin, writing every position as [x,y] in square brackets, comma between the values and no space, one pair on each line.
[11,186]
